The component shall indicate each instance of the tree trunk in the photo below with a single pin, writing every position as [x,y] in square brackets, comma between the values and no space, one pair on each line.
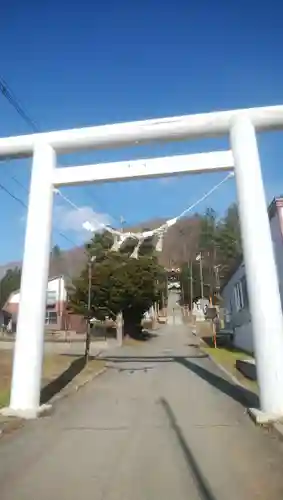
[132,323]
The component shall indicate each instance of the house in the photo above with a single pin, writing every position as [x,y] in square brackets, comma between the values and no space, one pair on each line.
[57,316]
[234,291]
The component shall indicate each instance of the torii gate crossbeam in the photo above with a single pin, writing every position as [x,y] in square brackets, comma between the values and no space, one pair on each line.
[261,272]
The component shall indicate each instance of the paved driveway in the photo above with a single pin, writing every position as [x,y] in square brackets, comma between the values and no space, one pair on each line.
[161,424]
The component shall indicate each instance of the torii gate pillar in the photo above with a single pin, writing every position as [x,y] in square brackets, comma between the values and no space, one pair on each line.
[261,273]
[28,352]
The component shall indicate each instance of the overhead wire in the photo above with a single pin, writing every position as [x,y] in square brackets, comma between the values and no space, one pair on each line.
[12,195]
[19,200]
[23,204]
[14,101]
[7,92]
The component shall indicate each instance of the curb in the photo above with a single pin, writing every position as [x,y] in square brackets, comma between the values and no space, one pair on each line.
[69,391]
[277,427]
[227,373]
[58,397]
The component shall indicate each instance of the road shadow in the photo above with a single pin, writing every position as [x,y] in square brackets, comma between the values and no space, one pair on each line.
[63,380]
[141,335]
[143,359]
[201,482]
[240,394]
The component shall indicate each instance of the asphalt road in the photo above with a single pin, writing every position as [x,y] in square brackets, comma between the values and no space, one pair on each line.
[162,423]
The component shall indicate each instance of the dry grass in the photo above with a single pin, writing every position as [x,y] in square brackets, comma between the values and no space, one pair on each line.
[61,374]
[58,370]
[5,376]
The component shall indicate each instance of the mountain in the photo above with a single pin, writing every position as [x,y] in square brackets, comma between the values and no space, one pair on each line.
[180,244]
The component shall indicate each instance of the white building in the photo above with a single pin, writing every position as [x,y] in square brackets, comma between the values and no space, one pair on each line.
[234,292]
[57,316]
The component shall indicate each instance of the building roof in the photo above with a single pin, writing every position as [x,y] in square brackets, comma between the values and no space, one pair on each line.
[271,210]
[67,280]
[274,205]
[237,264]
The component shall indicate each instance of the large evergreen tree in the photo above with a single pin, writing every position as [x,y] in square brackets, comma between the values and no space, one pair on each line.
[220,246]
[10,282]
[229,236]
[118,283]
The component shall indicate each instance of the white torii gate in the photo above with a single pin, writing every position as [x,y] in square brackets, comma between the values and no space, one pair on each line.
[241,125]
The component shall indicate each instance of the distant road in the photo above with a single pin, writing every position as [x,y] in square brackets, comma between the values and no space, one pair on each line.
[174,313]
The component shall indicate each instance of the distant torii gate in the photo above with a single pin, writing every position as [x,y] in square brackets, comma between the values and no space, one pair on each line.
[241,125]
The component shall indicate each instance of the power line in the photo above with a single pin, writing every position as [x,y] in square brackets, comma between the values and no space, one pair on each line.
[7,92]
[12,195]
[65,237]
[23,204]
[14,101]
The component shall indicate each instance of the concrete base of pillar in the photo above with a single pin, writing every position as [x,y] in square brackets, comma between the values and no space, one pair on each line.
[247,367]
[28,414]
[263,418]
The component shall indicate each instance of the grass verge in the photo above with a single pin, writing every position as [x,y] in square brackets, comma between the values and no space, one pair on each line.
[226,357]
[61,374]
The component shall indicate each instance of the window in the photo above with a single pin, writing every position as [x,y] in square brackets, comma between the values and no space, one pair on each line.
[245,291]
[238,294]
[241,294]
[50,318]
[51,297]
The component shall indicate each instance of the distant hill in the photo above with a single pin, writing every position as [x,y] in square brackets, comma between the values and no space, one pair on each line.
[180,243]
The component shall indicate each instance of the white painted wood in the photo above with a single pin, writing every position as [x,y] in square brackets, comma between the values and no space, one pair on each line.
[260,266]
[25,388]
[147,168]
[138,132]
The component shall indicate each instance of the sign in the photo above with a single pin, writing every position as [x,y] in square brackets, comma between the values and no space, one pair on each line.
[211,313]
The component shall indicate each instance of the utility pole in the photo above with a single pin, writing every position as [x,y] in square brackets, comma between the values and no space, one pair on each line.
[199,259]
[119,317]
[217,279]
[182,232]
[191,284]
[123,222]
[87,341]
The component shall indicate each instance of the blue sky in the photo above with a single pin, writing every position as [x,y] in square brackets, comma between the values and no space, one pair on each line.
[79,65]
